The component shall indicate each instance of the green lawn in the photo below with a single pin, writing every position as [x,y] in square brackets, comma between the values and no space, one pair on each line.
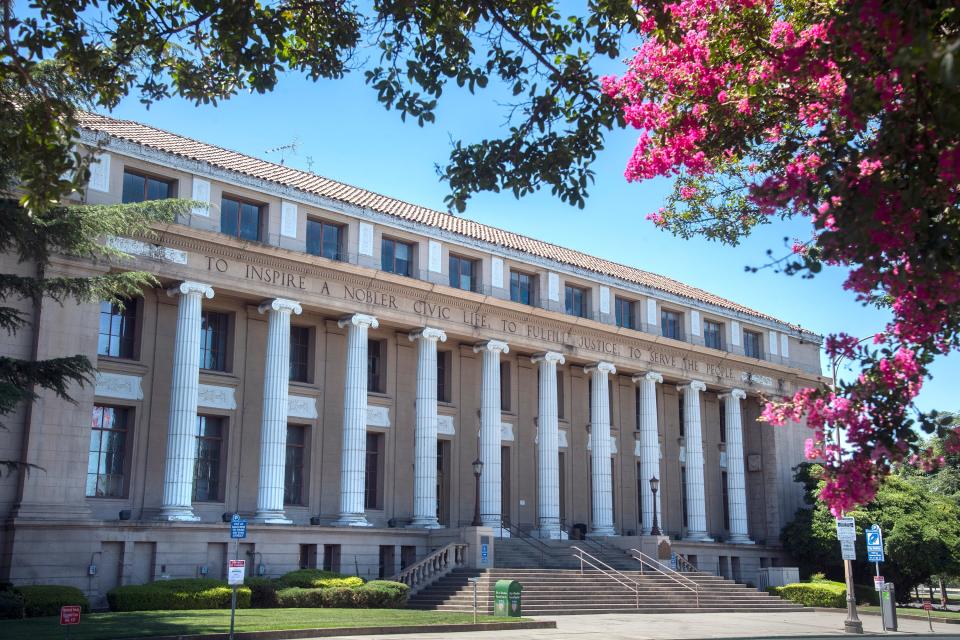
[142,624]
[910,611]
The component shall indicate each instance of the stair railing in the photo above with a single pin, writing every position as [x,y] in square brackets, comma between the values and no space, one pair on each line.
[685,565]
[539,546]
[436,565]
[601,566]
[676,576]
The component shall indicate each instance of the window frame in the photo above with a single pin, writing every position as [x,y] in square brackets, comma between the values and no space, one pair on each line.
[131,316]
[172,184]
[720,329]
[664,313]
[339,227]
[373,473]
[475,268]
[631,308]
[307,362]
[445,376]
[759,344]
[220,474]
[395,242]
[124,450]
[506,387]
[225,346]
[304,466]
[530,290]
[261,207]
[376,368]
[570,288]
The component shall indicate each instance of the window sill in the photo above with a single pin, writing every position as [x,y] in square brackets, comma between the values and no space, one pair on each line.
[121,365]
[305,386]
[226,376]
[380,395]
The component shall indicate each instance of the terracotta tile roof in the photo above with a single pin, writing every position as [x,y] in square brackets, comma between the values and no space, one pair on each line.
[318,185]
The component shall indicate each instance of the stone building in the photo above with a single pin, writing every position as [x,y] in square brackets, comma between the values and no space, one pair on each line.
[329,362]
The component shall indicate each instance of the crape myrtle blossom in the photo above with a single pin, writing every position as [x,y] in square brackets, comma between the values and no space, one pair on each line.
[846,113]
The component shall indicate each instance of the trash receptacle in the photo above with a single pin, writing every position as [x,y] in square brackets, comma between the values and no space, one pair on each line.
[888,607]
[506,598]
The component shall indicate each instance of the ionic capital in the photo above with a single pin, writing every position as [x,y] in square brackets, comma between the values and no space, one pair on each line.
[492,345]
[549,356]
[603,367]
[358,320]
[650,376]
[738,394]
[280,304]
[188,287]
[693,385]
[428,333]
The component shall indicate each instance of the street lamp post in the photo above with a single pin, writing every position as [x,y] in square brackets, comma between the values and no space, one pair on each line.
[477,470]
[654,486]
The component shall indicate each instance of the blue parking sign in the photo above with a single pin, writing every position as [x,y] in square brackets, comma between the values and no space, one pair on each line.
[874,543]
[238,527]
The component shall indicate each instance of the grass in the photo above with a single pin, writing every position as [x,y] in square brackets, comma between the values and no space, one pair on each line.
[917,612]
[143,624]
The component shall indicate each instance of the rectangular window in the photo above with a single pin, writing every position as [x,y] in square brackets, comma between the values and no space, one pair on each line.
[683,427]
[683,494]
[560,403]
[464,273]
[625,313]
[206,469]
[726,500]
[325,239]
[671,324]
[723,421]
[713,334]
[300,354]
[117,329]
[575,300]
[373,481]
[293,470]
[106,460]
[138,187]
[331,558]
[214,328]
[376,366]
[751,344]
[522,287]
[443,376]
[505,386]
[240,218]
[396,257]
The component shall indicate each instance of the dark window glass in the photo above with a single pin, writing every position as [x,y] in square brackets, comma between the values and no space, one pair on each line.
[443,376]
[206,470]
[505,386]
[373,477]
[560,395]
[624,312]
[325,239]
[575,301]
[723,421]
[117,329]
[241,219]
[138,188]
[521,287]
[670,324]
[726,500]
[464,273]
[376,369]
[213,340]
[751,345]
[683,492]
[106,460]
[712,334]
[683,427]
[293,470]
[300,354]
[396,257]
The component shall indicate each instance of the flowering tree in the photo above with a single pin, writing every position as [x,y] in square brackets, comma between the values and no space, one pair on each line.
[846,113]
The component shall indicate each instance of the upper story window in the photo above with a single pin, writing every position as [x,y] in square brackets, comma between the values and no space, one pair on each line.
[241,218]
[505,386]
[325,239]
[214,331]
[575,300]
[671,324]
[106,459]
[625,313]
[299,354]
[464,273]
[207,467]
[295,466]
[713,334]
[117,329]
[376,366]
[444,374]
[751,344]
[138,187]
[522,287]
[396,257]
[723,421]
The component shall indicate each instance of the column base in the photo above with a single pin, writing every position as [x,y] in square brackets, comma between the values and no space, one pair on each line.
[549,533]
[603,532]
[178,514]
[740,540]
[351,520]
[425,523]
[272,517]
[698,536]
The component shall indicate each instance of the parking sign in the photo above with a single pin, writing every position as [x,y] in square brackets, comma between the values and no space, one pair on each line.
[874,544]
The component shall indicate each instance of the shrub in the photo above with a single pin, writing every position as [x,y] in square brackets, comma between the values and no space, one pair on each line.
[815,594]
[11,605]
[819,577]
[188,593]
[317,579]
[297,597]
[338,597]
[382,594]
[46,599]
[263,592]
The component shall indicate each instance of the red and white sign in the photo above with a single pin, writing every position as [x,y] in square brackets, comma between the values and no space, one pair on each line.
[927,605]
[878,583]
[236,572]
[70,614]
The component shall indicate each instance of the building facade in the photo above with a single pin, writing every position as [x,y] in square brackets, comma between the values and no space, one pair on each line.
[330,363]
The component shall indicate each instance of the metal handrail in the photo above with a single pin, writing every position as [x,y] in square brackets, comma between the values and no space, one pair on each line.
[676,576]
[538,545]
[609,572]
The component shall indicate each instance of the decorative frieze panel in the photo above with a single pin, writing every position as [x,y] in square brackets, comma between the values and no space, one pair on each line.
[496,272]
[506,432]
[302,407]
[201,193]
[153,251]
[288,219]
[100,173]
[378,416]
[216,397]
[118,385]
[445,426]
[435,263]
[366,239]
[562,438]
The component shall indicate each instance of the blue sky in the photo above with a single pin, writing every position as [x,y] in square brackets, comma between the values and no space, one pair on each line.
[341,127]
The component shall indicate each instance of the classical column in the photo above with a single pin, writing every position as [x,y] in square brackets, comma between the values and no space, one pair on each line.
[600,449]
[353,455]
[696,498]
[548,447]
[736,481]
[490,507]
[273,426]
[182,420]
[425,438]
[649,445]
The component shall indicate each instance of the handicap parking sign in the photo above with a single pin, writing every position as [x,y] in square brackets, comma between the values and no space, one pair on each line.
[874,544]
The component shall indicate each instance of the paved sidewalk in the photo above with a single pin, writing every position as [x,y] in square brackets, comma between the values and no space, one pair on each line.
[819,624]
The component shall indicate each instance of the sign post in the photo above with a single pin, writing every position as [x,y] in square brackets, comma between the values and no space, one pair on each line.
[238,567]
[927,606]
[69,616]
[875,555]
[847,535]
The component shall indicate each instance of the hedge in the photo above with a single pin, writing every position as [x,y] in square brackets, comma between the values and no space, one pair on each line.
[178,595]
[11,605]
[384,594]
[379,594]
[263,592]
[317,579]
[46,599]
[814,594]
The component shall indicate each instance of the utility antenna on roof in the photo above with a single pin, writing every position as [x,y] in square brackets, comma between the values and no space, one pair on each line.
[283,149]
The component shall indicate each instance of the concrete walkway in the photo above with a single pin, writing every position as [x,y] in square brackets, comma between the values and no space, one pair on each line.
[805,625]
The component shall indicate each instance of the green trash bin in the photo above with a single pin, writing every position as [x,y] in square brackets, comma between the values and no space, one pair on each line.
[506,598]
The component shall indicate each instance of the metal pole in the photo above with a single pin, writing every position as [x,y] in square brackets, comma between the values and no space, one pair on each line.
[853,623]
[476,505]
[233,590]
[474,581]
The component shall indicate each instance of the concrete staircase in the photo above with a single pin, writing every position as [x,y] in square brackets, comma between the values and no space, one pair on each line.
[567,591]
